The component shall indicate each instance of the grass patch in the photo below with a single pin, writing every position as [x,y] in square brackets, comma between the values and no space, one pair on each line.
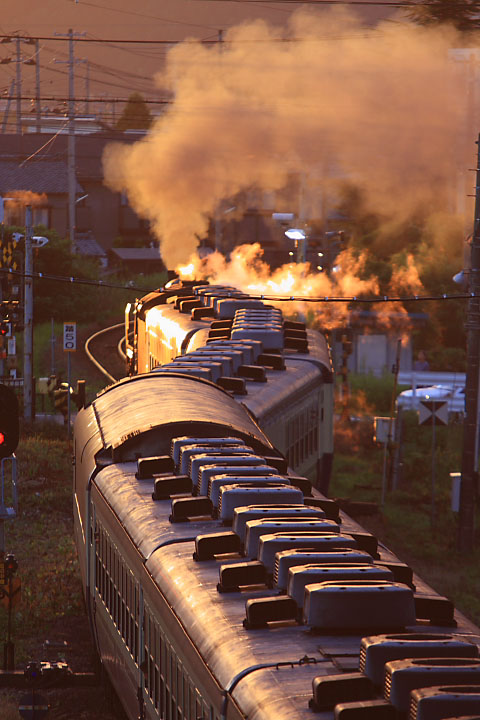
[41,537]
[51,605]
[405,524]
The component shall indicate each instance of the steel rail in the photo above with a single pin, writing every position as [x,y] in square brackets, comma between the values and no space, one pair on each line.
[90,356]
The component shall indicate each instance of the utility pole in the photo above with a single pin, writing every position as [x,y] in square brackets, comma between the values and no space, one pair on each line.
[87,89]
[72,183]
[28,319]
[7,109]
[37,83]
[19,89]
[71,143]
[466,518]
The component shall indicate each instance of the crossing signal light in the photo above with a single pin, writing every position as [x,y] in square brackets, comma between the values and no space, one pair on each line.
[9,422]
[11,566]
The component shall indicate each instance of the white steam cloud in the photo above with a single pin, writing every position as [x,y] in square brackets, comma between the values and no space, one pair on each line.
[380,106]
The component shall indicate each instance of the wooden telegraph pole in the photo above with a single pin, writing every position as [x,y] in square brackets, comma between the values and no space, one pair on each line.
[466,525]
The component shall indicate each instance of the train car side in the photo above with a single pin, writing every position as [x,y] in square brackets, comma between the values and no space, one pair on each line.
[177,640]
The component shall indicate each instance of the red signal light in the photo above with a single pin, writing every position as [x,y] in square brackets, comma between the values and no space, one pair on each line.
[9,432]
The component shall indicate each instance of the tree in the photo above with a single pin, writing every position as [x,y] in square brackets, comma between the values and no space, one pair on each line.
[464,15]
[136,115]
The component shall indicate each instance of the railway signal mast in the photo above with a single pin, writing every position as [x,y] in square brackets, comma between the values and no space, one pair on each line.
[466,526]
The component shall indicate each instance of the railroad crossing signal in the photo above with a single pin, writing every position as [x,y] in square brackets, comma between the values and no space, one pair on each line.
[9,423]
[8,255]
[431,411]
[10,592]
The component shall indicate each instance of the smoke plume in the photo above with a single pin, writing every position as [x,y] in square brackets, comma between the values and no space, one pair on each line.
[249,273]
[323,97]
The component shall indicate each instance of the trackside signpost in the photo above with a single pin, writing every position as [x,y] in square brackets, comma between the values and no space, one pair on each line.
[433,412]
[69,346]
[9,584]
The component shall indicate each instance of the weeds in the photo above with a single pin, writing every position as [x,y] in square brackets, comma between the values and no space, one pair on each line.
[41,537]
[406,523]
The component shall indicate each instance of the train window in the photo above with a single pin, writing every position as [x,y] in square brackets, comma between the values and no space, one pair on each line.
[167,684]
[118,590]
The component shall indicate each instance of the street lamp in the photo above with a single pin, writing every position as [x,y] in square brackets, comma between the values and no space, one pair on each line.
[299,236]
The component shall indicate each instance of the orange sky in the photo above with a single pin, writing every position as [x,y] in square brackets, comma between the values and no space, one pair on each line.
[115,72]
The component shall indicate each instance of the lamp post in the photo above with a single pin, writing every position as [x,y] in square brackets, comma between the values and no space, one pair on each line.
[28,319]
[299,236]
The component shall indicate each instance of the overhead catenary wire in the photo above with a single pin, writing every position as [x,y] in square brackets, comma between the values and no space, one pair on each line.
[255,296]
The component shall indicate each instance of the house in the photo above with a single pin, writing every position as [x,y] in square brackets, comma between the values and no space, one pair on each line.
[38,163]
[136,260]
[47,178]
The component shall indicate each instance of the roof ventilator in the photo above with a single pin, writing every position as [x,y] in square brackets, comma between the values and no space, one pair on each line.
[403,676]
[244,574]
[242,515]
[329,507]
[256,529]
[287,559]
[328,690]
[402,573]
[358,606]
[183,509]
[445,702]
[261,611]
[233,496]
[165,487]
[377,650]
[270,545]
[300,577]
[150,466]
[216,482]
[208,546]
[200,463]
[435,608]
[365,710]
[179,442]
[189,452]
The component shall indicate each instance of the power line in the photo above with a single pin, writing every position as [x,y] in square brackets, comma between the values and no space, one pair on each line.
[117,10]
[129,41]
[57,98]
[258,296]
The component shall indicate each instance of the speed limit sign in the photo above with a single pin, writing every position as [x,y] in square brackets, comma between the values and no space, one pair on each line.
[69,336]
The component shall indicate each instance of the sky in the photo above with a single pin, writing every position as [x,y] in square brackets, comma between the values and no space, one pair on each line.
[116,70]
[293,89]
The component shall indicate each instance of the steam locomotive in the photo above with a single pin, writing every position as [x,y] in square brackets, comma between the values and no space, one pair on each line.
[220,583]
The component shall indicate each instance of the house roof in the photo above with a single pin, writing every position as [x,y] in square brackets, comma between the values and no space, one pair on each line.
[145,254]
[85,244]
[88,149]
[39,176]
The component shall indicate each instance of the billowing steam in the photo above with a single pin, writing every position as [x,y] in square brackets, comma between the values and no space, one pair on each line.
[326,98]
[24,197]
[249,273]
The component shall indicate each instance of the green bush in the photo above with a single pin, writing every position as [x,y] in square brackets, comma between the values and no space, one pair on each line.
[376,391]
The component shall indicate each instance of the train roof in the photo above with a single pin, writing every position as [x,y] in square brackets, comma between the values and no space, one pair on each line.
[215,620]
[188,335]
[162,406]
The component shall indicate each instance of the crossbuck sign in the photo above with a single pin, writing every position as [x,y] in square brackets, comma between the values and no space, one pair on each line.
[431,411]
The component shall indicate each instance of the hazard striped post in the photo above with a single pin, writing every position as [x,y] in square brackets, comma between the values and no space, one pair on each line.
[33,706]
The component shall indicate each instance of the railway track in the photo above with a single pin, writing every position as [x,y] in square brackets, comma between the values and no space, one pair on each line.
[105,350]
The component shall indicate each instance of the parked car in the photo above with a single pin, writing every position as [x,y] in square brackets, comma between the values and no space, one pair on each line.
[453,394]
